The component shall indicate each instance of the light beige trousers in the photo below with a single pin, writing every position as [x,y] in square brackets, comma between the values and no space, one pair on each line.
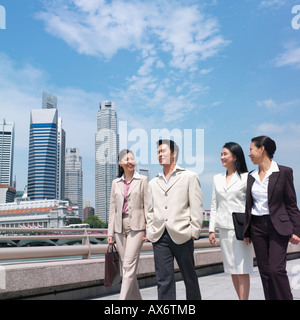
[129,245]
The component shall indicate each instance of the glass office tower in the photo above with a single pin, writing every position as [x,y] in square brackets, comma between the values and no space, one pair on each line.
[42,161]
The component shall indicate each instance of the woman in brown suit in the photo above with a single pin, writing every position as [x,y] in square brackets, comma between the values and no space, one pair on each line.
[272,217]
[127,221]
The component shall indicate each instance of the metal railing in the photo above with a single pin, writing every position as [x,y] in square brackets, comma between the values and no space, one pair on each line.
[85,249]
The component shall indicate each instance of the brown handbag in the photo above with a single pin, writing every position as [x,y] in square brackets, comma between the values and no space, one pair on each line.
[112,266]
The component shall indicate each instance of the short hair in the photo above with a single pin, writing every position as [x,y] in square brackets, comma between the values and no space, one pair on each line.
[172,145]
[268,143]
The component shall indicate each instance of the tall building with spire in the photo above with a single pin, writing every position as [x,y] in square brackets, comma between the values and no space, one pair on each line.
[106,159]
[7,137]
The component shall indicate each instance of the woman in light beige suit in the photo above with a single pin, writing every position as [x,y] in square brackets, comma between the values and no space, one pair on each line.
[229,195]
[127,221]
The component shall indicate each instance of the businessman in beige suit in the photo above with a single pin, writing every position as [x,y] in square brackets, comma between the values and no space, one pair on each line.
[174,219]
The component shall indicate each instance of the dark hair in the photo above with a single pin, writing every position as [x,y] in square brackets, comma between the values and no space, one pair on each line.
[172,145]
[268,143]
[236,149]
[120,156]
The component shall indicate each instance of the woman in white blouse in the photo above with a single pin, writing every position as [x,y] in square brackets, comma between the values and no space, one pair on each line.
[229,194]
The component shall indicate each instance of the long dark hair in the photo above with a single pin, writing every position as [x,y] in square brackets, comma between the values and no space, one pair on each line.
[120,156]
[236,149]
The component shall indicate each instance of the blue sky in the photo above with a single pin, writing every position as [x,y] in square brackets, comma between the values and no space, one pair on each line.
[231,68]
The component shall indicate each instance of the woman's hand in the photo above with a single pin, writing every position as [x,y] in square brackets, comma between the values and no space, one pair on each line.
[247,241]
[110,240]
[212,238]
[294,239]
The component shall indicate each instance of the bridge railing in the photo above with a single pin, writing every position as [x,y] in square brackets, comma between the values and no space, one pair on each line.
[85,249]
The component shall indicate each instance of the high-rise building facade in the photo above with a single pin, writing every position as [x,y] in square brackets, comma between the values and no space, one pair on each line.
[61,155]
[7,137]
[47,144]
[106,160]
[42,162]
[49,101]
[74,179]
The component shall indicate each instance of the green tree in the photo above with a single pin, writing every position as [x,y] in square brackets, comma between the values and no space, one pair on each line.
[95,222]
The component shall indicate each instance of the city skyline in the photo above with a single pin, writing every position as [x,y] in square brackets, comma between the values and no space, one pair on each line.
[230,69]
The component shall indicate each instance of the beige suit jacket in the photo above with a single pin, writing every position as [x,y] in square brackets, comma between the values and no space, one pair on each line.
[176,206]
[137,204]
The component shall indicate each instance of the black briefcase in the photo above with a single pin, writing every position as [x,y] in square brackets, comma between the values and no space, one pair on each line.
[238,222]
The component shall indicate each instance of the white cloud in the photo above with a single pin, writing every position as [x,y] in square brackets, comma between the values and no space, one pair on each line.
[206,71]
[291,57]
[147,67]
[169,37]
[272,3]
[270,128]
[273,106]
[288,131]
[102,28]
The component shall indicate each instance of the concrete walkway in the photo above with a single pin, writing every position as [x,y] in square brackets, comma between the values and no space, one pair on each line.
[219,286]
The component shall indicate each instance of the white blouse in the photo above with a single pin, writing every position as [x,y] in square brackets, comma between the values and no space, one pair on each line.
[260,191]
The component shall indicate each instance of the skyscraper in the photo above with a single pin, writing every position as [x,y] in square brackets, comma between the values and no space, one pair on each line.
[73,179]
[42,160]
[7,137]
[49,101]
[106,159]
[47,143]
[61,155]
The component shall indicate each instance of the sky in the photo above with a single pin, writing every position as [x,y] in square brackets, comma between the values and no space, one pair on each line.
[211,71]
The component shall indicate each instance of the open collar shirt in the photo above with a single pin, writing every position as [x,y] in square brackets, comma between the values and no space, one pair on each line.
[260,191]
[162,174]
[126,191]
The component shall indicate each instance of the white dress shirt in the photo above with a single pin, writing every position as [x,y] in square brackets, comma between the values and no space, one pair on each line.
[162,174]
[260,191]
